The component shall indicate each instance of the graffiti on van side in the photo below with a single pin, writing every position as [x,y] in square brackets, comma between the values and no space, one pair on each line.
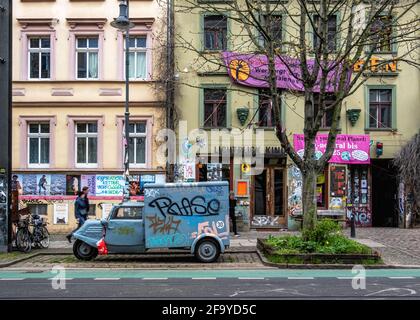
[186,207]
[173,240]
[218,228]
[166,225]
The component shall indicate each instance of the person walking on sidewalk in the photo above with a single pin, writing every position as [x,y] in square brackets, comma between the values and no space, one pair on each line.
[80,212]
[232,206]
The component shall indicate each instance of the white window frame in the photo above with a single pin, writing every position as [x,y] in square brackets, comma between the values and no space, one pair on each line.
[38,50]
[136,135]
[38,135]
[88,50]
[136,50]
[86,135]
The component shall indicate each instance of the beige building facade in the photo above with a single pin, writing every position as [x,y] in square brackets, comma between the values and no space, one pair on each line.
[384,112]
[68,105]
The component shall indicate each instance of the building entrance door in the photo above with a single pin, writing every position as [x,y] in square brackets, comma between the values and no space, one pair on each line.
[268,199]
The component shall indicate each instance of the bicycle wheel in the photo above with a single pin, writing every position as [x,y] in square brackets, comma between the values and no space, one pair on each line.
[45,237]
[23,240]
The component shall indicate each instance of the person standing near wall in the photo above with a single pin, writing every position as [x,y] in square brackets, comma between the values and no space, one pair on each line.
[232,206]
[80,212]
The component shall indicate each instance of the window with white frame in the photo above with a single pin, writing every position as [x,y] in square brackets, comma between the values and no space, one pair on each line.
[137,57]
[86,143]
[39,57]
[87,53]
[39,144]
[137,142]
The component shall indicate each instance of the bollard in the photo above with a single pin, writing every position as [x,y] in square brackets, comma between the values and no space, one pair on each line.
[352,227]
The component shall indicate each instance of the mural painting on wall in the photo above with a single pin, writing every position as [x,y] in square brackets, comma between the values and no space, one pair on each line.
[295,190]
[73,185]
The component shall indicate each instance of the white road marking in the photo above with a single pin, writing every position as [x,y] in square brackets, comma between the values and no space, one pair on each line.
[300,278]
[13,279]
[250,278]
[66,279]
[208,278]
[155,278]
[401,277]
[345,278]
[107,279]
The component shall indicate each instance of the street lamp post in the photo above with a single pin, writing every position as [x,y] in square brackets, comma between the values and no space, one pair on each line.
[124,24]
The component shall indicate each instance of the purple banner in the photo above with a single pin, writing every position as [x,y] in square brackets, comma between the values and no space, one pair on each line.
[90,182]
[252,70]
[352,149]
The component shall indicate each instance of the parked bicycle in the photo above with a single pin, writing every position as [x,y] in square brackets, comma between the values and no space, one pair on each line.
[31,231]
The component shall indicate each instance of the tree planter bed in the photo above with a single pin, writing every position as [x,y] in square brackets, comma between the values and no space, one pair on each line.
[316,258]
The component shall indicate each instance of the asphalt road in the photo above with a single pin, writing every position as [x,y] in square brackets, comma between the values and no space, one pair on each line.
[220,284]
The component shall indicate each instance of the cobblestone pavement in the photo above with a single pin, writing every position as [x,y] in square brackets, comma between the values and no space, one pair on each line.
[397,246]
[148,261]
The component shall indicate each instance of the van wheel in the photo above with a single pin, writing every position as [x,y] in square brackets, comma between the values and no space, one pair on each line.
[83,251]
[207,250]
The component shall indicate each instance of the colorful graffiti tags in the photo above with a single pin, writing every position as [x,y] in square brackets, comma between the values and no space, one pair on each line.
[265,221]
[207,228]
[362,216]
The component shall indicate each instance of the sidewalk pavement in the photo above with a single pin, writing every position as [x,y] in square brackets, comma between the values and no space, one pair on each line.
[398,247]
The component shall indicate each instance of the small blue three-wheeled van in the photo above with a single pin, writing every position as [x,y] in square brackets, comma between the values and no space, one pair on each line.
[191,216]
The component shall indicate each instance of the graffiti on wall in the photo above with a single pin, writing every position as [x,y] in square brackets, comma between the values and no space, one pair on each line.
[186,207]
[295,190]
[362,216]
[265,221]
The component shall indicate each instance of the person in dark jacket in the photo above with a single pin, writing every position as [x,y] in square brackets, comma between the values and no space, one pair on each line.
[232,205]
[80,212]
[85,190]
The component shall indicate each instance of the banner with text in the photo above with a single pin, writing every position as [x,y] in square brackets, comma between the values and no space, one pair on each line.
[351,149]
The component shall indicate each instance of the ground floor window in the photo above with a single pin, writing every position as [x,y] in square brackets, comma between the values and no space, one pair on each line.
[39,209]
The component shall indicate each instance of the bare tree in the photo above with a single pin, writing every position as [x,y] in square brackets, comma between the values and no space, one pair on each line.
[407,160]
[324,59]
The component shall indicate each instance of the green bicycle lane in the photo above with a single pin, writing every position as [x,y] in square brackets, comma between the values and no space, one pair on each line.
[203,274]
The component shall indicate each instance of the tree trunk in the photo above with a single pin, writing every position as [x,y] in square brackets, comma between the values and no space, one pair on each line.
[309,201]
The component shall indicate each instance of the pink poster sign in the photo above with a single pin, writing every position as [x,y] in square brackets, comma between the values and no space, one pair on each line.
[351,149]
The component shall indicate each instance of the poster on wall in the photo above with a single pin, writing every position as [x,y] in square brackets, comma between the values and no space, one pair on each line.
[61,213]
[189,171]
[109,185]
[90,182]
[214,172]
[58,184]
[17,183]
[73,185]
[106,209]
[160,178]
[146,178]
[36,184]
[134,185]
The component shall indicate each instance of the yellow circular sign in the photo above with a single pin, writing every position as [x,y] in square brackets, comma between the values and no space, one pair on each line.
[245,168]
[239,70]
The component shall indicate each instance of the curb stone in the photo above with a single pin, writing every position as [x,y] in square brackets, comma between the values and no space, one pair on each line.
[12,262]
